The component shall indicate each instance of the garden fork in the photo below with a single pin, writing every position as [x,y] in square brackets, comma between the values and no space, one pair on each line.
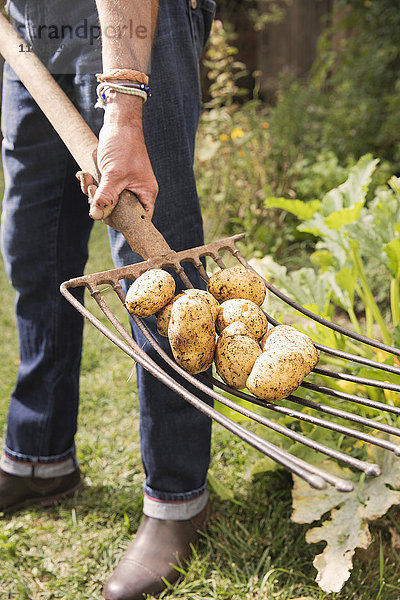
[131,220]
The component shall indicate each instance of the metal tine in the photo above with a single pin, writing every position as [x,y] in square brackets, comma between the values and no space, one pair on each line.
[314,317]
[185,279]
[346,355]
[309,473]
[356,379]
[343,414]
[203,273]
[370,469]
[351,398]
[340,484]
[366,437]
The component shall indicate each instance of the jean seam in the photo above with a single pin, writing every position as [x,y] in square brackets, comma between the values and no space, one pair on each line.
[29,459]
[173,496]
[54,254]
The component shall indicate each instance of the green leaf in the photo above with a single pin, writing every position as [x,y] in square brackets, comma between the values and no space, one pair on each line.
[346,280]
[338,219]
[315,226]
[354,190]
[302,210]
[263,465]
[392,250]
[394,183]
[323,259]
[229,412]
[347,527]
[223,491]
[396,336]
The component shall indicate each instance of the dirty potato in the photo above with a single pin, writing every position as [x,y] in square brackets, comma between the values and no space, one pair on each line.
[150,292]
[244,311]
[238,328]
[204,296]
[191,333]
[276,373]
[237,282]
[234,358]
[284,336]
[164,315]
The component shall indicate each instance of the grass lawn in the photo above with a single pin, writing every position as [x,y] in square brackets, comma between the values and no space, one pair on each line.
[251,550]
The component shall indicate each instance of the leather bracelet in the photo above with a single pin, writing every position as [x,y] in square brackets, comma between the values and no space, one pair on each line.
[123,74]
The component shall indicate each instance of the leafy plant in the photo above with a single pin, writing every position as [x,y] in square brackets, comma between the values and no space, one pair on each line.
[350,232]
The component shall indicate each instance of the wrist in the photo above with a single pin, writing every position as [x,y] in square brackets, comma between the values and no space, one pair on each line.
[122,106]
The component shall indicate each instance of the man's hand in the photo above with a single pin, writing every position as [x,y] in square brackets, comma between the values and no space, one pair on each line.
[122,158]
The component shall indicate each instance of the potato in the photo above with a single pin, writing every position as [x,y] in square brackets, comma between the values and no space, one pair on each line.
[237,282]
[244,311]
[276,373]
[191,333]
[204,295]
[150,292]
[283,330]
[234,358]
[238,328]
[164,314]
[284,336]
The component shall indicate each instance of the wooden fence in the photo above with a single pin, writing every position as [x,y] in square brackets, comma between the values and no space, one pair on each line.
[288,46]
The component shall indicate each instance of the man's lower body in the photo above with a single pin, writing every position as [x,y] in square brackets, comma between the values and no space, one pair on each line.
[45,232]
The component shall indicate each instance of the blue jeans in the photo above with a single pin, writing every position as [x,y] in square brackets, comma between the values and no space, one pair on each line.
[45,231]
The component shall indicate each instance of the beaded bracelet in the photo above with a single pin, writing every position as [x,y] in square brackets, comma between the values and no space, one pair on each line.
[131,89]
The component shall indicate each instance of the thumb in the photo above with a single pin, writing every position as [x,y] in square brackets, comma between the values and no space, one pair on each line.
[107,192]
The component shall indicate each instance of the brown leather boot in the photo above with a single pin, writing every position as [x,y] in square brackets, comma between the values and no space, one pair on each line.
[17,492]
[158,545]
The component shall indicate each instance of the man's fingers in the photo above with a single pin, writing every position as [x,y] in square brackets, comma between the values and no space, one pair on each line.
[85,180]
[96,213]
[107,193]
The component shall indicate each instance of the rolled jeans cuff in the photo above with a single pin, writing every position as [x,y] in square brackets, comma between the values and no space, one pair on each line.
[35,468]
[177,510]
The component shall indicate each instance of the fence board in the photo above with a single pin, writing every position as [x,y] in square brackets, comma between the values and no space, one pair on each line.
[290,46]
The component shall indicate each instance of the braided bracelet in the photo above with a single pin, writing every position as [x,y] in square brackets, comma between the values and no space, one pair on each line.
[123,74]
[131,89]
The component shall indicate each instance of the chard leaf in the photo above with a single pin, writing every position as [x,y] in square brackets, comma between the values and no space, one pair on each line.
[344,287]
[347,527]
[338,219]
[354,190]
[315,226]
[396,336]
[392,250]
[302,210]
[323,259]
[394,183]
